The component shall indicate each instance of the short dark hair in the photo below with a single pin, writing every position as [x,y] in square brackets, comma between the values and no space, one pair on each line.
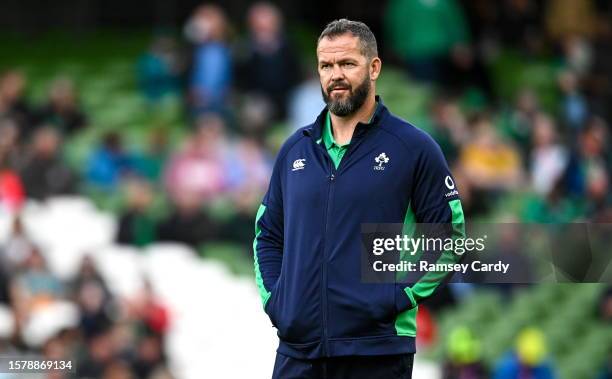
[358,29]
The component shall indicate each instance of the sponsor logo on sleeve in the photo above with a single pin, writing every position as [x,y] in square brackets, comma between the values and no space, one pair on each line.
[450,184]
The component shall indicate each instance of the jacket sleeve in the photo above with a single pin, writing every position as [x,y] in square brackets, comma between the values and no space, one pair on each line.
[268,242]
[435,200]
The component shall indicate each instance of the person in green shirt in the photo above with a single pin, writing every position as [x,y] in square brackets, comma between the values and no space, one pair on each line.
[424,33]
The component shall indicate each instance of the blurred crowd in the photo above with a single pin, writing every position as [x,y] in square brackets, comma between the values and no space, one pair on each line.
[239,89]
[80,320]
[558,152]
[529,357]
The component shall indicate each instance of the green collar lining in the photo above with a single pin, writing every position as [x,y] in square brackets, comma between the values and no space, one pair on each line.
[328,136]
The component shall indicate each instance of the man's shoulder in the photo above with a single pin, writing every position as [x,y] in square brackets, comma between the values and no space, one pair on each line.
[294,139]
[414,138]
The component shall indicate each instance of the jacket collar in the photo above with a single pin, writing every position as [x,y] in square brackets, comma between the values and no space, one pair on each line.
[315,130]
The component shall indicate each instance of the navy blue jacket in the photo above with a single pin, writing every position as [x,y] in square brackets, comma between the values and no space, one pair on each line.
[308,237]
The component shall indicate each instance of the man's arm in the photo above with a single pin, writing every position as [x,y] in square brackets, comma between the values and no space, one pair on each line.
[268,242]
[435,200]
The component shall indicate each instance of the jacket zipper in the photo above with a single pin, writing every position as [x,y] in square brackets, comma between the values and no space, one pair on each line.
[333,172]
[331,178]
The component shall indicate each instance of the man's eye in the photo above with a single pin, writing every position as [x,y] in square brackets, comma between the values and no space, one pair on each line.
[325,66]
[349,64]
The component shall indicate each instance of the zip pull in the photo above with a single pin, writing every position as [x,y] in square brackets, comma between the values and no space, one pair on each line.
[332,177]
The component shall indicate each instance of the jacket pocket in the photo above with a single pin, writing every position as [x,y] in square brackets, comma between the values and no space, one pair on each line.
[294,314]
[402,301]
[270,307]
[361,310]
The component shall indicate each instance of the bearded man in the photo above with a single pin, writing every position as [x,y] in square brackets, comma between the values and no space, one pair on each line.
[357,163]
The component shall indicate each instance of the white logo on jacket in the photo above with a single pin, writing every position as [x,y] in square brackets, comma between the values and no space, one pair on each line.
[299,164]
[450,184]
[382,160]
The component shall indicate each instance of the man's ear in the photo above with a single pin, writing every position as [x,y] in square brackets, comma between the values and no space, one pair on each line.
[375,67]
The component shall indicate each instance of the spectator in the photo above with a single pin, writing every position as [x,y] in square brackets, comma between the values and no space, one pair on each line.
[188,223]
[17,248]
[520,26]
[158,70]
[118,369]
[43,173]
[568,18]
[149,356]
[99,354]
[59,347]
[427,334]
[548,156]
[92,303]
[436,31]
[136,226]
[464,356]
[36,282]
[93,298]
[449,126]
[250,169]
[63,110]
[150,163]
[199,167]
[577,55]
[488,162]
[151,312]
[238,228]
[518,122]
[14,253]
[556,207]
[35,288]
[248,179]
[269,66]
[529,359]
[587,171]
[12,193]
[109,163]
[574,109]
[11,150]
[211,71]
[13,104]
[305,102]
[88,273]
[255,116]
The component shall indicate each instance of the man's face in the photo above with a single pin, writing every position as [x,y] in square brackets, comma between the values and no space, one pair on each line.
[345,74]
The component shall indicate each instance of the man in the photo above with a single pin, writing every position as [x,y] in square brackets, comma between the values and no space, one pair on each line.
[357,163]
[269,66]
[43,171]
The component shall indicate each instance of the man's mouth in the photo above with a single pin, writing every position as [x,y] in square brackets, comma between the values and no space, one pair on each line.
[339,90]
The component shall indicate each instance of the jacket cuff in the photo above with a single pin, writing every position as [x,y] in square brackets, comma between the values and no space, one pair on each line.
[404,300]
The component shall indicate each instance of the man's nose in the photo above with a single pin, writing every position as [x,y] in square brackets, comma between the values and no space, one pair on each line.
[337,73]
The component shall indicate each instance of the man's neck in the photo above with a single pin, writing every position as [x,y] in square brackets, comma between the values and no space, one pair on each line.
[343,127]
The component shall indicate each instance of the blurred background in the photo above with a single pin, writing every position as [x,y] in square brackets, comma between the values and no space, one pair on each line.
[137,140]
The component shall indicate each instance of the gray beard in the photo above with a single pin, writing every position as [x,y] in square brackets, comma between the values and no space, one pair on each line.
[352,103]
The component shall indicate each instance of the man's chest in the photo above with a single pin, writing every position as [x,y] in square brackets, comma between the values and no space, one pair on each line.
[369,173]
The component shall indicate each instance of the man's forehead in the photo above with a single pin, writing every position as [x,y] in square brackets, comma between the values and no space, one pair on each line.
[343,44]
